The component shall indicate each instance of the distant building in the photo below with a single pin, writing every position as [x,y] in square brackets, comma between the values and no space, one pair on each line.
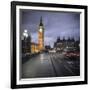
[60,44]
[47,48]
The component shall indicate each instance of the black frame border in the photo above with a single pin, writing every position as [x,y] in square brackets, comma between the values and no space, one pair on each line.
[13,44]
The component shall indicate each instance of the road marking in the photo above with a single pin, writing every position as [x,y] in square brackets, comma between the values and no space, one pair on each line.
[53,66]
[69,69]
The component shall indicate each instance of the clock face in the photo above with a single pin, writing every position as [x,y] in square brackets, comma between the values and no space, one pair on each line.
[40,29]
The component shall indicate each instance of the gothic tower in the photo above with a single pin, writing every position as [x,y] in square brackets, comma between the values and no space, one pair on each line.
[41,36]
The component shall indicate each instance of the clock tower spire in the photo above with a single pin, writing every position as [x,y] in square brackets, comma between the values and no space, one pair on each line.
[41,24]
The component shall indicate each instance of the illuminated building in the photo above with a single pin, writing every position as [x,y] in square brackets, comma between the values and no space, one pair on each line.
[38,47]
[34,48]
[41,36]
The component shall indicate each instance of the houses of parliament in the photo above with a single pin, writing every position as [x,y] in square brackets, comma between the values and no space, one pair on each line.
[32,47]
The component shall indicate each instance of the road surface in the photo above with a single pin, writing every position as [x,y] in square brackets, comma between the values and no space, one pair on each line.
[50,65]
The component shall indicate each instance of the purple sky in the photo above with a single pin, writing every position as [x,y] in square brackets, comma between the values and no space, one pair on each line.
[63,24]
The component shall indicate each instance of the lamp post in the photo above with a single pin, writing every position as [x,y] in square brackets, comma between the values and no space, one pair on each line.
[25,34]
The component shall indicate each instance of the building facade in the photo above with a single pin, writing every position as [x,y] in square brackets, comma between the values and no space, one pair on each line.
[61,44]
[41,36]
[34,48]
[31,47]
[26,45]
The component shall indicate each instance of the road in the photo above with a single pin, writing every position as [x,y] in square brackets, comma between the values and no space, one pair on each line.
[50,65]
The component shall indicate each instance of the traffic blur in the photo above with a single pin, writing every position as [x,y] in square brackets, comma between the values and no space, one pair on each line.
[71,52]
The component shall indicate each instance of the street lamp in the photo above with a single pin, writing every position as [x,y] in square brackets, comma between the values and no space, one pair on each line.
[25,34]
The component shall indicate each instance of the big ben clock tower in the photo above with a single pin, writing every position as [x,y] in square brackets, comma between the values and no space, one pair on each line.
[41,36]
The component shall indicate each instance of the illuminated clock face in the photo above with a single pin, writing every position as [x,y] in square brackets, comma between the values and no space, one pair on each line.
[40,29]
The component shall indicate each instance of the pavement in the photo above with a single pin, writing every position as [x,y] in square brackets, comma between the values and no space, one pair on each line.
[50,65]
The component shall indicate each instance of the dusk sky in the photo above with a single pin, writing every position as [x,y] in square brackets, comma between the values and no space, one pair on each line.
[63,24]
